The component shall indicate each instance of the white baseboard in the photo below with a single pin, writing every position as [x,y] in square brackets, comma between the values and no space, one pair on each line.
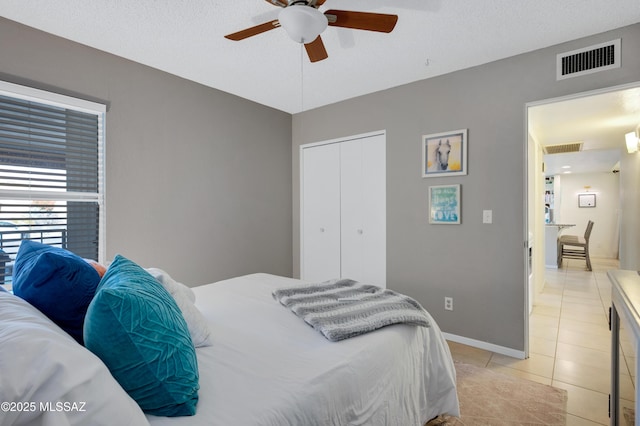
[485,345]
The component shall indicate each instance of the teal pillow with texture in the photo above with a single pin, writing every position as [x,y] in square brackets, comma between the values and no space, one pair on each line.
[136,328]
[57,282]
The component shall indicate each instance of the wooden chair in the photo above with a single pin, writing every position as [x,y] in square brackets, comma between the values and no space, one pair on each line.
[575,247]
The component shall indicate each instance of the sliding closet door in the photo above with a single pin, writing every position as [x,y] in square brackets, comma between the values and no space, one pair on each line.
[363,209]
[320,220]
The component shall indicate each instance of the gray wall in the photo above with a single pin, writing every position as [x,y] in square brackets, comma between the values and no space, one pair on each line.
[481,266]
[198,181]
[630,206]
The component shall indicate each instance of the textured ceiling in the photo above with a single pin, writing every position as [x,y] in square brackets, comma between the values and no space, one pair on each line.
[432,37]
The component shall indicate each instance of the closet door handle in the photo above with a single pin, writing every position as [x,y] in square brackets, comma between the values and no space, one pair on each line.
[321,229]
[360,231]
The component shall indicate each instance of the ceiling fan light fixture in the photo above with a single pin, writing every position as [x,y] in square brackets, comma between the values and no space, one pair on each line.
[302,23]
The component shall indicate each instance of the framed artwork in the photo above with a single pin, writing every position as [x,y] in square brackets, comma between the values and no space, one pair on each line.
[444,204]
[586,200]
[444,154]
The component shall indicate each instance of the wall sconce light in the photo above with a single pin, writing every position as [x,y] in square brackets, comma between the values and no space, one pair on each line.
[632,142]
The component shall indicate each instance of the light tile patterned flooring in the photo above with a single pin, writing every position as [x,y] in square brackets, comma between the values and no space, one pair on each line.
[569,341]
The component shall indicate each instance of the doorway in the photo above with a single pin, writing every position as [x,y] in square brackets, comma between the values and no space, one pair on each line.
[596,121]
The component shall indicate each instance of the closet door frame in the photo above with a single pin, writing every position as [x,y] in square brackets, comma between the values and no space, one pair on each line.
[302,218]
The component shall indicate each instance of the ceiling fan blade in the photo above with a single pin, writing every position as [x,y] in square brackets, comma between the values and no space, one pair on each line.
[258,29]
[362,20]
[281,3]
[320,2]
[316,50]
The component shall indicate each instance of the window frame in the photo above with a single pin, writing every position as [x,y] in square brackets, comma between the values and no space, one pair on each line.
[55,99]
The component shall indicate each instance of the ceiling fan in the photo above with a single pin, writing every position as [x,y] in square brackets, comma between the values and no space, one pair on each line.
[304,23]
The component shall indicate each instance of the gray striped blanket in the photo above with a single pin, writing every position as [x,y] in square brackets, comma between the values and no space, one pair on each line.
[346,308]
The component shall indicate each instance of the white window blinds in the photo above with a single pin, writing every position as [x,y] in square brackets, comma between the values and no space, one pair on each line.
[51,172]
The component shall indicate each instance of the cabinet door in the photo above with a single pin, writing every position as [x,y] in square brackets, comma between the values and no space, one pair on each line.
[363,209]
[320,215]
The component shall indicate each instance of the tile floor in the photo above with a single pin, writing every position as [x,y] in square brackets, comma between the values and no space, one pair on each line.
[569,341]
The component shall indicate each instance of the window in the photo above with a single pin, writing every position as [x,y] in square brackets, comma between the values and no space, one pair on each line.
[51,173]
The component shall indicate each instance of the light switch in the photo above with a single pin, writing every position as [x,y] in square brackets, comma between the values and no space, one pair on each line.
[487,216]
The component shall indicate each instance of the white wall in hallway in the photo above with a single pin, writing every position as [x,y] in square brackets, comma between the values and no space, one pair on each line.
[605,235]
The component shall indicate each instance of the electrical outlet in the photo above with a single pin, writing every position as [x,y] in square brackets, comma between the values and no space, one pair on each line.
[448,303]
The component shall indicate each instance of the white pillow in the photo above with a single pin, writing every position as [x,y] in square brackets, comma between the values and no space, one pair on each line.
[185,299]
[47,378]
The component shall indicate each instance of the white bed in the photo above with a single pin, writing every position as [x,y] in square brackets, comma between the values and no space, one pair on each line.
[268,367]
[265,366]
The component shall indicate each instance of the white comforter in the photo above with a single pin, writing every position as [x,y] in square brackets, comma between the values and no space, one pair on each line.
[268,367]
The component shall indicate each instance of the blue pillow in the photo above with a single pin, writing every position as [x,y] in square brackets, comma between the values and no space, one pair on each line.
[57,282]
[136,328]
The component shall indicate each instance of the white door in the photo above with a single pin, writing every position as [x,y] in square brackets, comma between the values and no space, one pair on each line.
[351,210]
[357,168]
[363,209]
[320,220]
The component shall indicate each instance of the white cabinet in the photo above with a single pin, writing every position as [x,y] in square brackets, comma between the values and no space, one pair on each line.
[624,317]
[343,213]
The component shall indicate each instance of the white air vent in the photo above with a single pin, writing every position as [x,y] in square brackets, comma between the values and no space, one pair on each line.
[588,60]
[564,148]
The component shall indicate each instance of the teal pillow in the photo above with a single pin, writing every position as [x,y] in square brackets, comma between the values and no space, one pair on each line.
[57,282]
[135,327]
